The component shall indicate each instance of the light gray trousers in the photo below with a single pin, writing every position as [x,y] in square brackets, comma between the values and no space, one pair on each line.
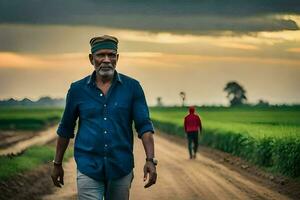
[90,189]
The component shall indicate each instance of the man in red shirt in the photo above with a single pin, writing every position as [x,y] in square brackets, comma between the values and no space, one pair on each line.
[192,125]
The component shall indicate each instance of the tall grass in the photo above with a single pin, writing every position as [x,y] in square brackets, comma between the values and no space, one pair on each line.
[269,138]
[29,160]
[25,118]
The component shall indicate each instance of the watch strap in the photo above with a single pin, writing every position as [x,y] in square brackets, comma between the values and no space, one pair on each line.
[154,161]
[57,163]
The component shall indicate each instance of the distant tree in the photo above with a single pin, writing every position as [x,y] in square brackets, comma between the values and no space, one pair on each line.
[25,102]
[183,96]
[159,101]
[235,93]
[262,103]
[43,101]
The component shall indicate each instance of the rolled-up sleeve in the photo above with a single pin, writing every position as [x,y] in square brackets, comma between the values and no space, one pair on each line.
[141,116]
[70,115]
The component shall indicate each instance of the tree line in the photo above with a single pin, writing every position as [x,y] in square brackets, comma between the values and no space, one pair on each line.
[236,95]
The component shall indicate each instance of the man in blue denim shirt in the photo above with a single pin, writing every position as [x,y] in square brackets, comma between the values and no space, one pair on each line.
[106,103]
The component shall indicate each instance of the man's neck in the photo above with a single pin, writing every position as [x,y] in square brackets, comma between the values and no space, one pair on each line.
[103,80]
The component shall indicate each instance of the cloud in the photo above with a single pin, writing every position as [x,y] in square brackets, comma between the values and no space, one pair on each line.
[30,61]
[294,50]
[192,17]
[238,46]
[58,39]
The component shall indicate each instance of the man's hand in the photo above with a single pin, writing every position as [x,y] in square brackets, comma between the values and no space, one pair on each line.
[149,168]
[58,175]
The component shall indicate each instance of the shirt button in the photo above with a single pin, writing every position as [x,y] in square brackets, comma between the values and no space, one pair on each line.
[105,145]
[105,131]
[104,105]
[105,118]
[101,94]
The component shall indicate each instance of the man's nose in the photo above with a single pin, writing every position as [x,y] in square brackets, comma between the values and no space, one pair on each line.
[106,59]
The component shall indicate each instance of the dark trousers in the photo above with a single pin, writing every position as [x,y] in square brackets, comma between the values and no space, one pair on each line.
[192,142]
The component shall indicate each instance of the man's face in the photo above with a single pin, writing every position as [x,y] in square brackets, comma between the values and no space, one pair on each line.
[104,61]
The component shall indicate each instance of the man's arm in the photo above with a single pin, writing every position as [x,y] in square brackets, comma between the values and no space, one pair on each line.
[58,172]
[148,143]
[144,128]
[61,146]
[184,124]
[65,131]
[149,167]
[200,124]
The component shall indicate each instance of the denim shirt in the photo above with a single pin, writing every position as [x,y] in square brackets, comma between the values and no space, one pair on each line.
[103,148]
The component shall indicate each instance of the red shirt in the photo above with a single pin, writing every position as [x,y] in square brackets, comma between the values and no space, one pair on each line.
[192,121]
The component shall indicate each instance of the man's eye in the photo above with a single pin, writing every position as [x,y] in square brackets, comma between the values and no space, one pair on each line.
[100,55]
[112,55]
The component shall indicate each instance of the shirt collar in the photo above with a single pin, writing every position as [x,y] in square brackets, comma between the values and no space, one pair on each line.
[92,78]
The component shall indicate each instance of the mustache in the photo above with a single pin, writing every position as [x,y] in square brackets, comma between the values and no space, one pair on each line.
[106,66]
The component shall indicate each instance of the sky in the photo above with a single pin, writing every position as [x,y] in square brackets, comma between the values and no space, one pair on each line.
[169,46]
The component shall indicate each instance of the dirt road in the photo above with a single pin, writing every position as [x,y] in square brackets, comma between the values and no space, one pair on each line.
[181,178]
[39,138]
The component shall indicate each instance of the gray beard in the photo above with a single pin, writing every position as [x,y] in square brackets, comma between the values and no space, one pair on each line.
[106,73]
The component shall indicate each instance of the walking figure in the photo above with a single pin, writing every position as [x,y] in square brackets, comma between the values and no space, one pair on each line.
[106,103]
[192,126]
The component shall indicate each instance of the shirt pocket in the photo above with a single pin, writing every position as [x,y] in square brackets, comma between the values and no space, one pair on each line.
[89,111]
[122,112]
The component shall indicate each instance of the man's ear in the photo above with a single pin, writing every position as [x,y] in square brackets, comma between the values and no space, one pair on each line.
[91,59]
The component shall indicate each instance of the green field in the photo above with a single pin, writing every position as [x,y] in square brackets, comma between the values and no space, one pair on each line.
[29,160]
[28,118]
[268,137]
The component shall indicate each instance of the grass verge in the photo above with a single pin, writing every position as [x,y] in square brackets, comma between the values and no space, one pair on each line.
[29,160]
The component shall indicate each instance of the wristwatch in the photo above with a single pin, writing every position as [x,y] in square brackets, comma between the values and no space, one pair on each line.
[153,160]
[55,163]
